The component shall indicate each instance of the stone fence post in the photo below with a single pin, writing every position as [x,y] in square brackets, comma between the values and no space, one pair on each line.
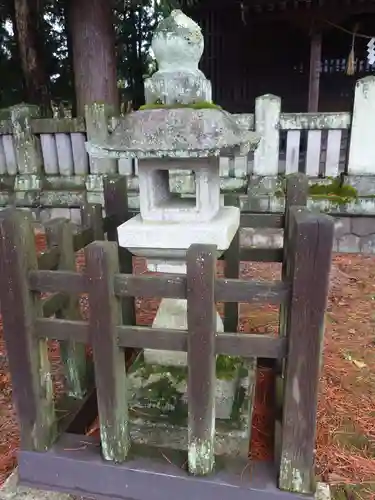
[267,117]
[362,136]
[28,152]
[97,117]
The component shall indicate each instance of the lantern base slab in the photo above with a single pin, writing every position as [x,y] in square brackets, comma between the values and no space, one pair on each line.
[171,239]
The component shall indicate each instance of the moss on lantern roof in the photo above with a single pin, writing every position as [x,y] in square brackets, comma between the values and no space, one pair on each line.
[193,105]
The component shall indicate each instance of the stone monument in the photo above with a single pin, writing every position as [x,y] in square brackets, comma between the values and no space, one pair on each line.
[179,128]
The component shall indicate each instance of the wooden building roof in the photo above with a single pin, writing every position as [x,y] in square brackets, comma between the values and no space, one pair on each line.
[310,7]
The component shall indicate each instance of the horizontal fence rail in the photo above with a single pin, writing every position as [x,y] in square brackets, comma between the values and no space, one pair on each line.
[167,286]
[232,344]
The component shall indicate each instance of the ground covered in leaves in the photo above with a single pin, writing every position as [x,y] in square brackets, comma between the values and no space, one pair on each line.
[346,413]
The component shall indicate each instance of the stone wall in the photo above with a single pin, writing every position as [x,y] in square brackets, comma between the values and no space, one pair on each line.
[352,235]
[354,221]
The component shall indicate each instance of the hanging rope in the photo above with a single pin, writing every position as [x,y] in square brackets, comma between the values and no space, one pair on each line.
[341,28]
[350,67]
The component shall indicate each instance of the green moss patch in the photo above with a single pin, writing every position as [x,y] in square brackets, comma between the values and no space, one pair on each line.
[226,369]
[334,191]
[193,105]
[227,366]
[279,193]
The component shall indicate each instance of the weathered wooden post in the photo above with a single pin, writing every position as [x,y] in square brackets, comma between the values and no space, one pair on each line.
[59,233]
[117,211]
[310,237]
[232,271]
[202,321]
[111,381]
[28,355]
[296,195]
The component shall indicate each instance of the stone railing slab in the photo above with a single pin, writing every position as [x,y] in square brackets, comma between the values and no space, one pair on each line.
[352,235]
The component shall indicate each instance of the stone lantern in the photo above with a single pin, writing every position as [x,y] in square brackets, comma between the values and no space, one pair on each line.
[179,128]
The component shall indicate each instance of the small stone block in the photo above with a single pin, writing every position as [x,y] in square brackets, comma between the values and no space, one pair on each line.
[342,226]
[166,266]
[362,226]
[158,406]
[349,243]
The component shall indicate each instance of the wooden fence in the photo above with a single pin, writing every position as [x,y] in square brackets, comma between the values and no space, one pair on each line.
[43,162]
[72,462]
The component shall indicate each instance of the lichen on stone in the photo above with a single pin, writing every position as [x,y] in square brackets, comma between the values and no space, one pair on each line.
[179,25]
[201,456]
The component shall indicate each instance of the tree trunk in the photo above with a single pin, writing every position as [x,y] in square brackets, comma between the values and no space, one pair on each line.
[27,26]
[94,57]
[70,61]
[16,55]
[139,89]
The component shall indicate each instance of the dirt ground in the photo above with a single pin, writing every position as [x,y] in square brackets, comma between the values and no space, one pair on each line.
[346,413]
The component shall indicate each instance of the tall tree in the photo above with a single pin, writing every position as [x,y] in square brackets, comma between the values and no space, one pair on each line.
[60,52]
[135,23]
[11,83]
[94,57]
[28,26]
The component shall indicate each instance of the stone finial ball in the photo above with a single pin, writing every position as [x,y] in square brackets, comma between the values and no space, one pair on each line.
[178,43]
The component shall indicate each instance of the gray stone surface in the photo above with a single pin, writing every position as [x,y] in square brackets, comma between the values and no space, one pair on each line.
[364,184]
[362,226]
[178,79]
[264,185]
[158,202]
[262,238]
[11,491]
[348,243]
[342,226]
[352,235]
[322,492]
[176,132]
[355,234]
[190,126]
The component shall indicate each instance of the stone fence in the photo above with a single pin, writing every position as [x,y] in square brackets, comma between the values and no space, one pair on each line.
[44,164]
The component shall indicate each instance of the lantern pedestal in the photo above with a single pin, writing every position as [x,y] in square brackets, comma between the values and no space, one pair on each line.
[158,404]
[164,244]
[158,379]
